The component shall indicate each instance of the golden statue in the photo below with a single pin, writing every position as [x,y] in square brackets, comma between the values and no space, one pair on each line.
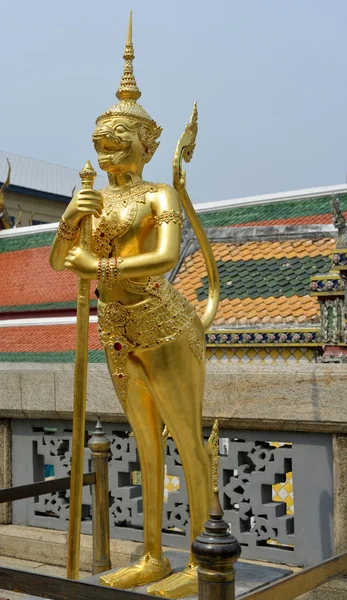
[152,337]
[5,221]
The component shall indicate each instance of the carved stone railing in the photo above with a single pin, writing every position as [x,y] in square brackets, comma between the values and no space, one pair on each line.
[276,488]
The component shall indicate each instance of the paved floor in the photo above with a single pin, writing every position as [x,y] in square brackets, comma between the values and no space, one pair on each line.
[249,576]
[28,565]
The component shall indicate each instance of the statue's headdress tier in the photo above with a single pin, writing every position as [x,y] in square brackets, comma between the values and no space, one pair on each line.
[128,93]
[128,89]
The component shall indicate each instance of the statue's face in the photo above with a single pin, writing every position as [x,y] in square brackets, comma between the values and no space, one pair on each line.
[118,146]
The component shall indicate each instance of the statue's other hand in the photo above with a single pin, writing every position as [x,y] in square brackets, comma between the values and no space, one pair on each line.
[82,263]
[85,202]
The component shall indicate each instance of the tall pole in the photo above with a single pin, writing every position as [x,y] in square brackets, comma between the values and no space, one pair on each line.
[80,394]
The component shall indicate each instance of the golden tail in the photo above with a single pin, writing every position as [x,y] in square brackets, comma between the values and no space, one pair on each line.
[184,151]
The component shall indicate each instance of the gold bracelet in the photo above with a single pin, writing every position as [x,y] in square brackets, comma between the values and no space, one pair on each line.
[111,277]
[99,269]
[103,269]
[168,215]
[108,270]
[66,231]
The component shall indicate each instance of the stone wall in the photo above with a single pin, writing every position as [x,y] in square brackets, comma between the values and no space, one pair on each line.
[307,397]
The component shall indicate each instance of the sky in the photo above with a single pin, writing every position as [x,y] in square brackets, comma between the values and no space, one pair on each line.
[269,77]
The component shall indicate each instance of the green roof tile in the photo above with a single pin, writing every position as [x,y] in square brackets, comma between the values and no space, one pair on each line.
[25,242]
[258,278]
[269,212]
[94,356]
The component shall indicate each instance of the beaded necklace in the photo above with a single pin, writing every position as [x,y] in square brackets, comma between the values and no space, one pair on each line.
[118,215]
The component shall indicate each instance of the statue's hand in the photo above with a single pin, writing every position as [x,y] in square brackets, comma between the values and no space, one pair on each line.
[85,202]
[82,263]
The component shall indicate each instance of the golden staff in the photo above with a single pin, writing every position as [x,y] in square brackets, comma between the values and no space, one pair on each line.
[87,176]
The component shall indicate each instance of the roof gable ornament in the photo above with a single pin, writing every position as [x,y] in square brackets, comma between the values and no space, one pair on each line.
[339,221]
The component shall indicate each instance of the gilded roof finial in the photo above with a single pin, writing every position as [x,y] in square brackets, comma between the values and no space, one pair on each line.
[128,89]
[339,222]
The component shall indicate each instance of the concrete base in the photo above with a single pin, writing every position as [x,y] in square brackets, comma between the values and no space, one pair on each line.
[249,576]
[50,547]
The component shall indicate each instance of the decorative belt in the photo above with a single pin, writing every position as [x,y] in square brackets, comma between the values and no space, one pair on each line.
[160,318]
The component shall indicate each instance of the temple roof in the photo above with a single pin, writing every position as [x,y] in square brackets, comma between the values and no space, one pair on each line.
[41,176]
[264,270]
[314,210]
[262,283]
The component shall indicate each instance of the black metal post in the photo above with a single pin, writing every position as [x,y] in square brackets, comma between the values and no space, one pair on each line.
[216,550]
[99,445]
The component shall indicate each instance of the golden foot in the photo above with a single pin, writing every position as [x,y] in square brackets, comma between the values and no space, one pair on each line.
[178,585]
[146,570]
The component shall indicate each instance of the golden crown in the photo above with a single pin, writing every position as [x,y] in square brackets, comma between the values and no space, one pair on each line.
[128,93]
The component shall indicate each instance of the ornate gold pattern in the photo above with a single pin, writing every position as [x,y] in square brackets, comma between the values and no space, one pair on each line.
[159,319]
[109,270]
[152,285]
[118,215]
[87,174]
[168,215]
[128,87]
[148,137]
[213,447]
[196,343]
[66,231]
[184,151]
[128,93]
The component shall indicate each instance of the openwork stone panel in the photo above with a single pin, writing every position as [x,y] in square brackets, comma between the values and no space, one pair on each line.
[275,488]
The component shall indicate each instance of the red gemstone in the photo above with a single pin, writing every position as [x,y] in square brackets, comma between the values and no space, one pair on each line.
[117,346]
[102,234]
[157,285]
[120,376]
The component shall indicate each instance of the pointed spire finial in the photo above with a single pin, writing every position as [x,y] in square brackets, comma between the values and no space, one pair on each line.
[130,28]
[128,89]
[87,174]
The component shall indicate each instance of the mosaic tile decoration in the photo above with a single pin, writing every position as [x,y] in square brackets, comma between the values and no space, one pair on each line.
[262,356]
[306,336]
[284,492]
[234,355]
[171,484]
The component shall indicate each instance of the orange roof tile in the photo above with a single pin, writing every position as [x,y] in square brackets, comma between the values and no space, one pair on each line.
[43,338]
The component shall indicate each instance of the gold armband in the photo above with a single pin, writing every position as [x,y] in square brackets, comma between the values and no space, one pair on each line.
[109,270]
[168,215]
[66,231]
